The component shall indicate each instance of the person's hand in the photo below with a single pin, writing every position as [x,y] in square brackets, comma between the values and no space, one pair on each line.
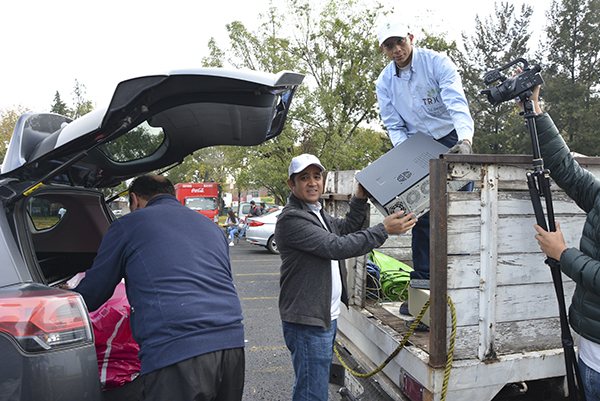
[534,97]
[462,148]
[397,223]
[551,243]
[361,192]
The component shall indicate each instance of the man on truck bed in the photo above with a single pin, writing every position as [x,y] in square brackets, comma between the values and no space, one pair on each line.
[185,312]
[581,265]
[421,91]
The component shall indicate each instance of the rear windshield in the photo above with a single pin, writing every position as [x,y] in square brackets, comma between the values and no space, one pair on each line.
[140,142]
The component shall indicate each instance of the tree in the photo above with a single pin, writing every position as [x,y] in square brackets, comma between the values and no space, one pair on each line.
[499,39]
[60,107]
[335,47]
[8,120]
[570,93]
[82,106]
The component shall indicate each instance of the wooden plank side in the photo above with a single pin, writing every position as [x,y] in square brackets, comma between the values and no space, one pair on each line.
[511,176]
[510,338]
[513,269]
[515,233]
[513,302]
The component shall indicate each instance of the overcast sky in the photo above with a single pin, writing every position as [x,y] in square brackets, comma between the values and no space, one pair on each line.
[47,45]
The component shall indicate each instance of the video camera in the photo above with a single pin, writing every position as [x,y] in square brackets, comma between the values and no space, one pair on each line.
[514,87]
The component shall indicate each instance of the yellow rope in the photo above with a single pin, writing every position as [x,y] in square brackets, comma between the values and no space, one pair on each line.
[403,342]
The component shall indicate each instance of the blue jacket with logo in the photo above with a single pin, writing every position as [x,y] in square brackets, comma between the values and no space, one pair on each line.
[176,266]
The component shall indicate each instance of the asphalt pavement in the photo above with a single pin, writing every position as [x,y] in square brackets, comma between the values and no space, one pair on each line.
[269,370]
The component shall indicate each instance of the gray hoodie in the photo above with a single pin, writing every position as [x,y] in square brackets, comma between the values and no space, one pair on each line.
[307,249]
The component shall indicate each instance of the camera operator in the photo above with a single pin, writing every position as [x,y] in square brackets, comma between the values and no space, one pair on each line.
[581,265]
[420,90]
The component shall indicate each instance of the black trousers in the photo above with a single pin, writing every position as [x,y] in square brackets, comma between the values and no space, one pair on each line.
[217,376]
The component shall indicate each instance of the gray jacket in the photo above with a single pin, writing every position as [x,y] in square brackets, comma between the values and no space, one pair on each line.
[307,249]
[583,264]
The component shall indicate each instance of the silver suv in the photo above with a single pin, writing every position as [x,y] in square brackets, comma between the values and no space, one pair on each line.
[53,215]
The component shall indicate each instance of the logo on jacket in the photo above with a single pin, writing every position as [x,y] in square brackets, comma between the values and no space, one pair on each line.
[432,97]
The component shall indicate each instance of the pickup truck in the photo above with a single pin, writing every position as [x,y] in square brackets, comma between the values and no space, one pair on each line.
[485,258]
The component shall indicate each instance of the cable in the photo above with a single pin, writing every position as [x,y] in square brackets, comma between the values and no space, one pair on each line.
[449,358]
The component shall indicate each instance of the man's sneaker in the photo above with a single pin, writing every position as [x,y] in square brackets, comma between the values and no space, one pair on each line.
[404,309]
[231,243]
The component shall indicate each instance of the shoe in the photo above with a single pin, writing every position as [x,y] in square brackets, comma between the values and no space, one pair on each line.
[231,244]
[420,326]
[404,309]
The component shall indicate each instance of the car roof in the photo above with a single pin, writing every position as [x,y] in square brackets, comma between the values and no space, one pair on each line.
[192,109]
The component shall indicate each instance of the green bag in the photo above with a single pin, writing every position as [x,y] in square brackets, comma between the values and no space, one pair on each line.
[394,276]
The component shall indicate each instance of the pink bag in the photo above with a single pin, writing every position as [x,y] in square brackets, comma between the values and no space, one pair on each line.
[116,349]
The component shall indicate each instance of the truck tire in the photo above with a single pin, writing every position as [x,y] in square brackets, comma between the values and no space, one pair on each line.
[271,245]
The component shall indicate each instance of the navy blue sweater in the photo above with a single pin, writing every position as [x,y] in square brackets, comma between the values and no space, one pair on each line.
[176,266]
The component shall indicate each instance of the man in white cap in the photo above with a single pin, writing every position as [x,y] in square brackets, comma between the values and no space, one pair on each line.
[421,91]
[313,245]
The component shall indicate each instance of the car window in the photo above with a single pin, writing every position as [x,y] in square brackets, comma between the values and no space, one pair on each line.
[271,212]
[138,143]
[45,214]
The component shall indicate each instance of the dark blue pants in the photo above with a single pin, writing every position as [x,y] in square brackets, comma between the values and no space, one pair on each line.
[420,232]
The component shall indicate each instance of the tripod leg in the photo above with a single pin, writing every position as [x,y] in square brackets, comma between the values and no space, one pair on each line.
[536,202]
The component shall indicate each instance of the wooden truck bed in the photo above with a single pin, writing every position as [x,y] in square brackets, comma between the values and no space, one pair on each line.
[485,258]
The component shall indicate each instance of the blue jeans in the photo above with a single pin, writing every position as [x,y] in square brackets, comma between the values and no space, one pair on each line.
[243,230]
[232,230]
[312,351]
[591,382]
[420,232]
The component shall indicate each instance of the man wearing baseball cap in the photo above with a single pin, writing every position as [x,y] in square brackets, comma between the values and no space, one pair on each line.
[420,90]
[313,245]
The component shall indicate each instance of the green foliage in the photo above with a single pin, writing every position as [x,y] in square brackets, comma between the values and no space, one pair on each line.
[81,106]
[8,120]
[334,113]
[571,57]
[136,144]
[335,47]
[60,107]
[499,39]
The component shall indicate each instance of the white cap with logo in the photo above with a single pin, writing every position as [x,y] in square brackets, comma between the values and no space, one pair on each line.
[391,29]
[301,162]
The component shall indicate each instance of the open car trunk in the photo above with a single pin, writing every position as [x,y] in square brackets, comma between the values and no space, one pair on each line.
[65,246]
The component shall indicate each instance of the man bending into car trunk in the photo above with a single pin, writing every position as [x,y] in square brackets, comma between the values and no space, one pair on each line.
[185,312]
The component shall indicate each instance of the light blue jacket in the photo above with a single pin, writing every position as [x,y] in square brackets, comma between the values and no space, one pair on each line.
[430,99]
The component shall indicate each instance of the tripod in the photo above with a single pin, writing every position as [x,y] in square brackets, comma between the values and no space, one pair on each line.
[538,182]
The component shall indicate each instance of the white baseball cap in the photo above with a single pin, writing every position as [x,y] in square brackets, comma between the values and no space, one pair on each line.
[391,29]
[301,162]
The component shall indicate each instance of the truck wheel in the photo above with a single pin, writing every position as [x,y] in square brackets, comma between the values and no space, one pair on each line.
[271,245]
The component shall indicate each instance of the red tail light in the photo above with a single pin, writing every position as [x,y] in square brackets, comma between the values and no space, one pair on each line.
[254,223]
[45,322]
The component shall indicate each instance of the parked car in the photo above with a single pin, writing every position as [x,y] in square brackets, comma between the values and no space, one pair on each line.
[46,338]
[261,230]
[244,209]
